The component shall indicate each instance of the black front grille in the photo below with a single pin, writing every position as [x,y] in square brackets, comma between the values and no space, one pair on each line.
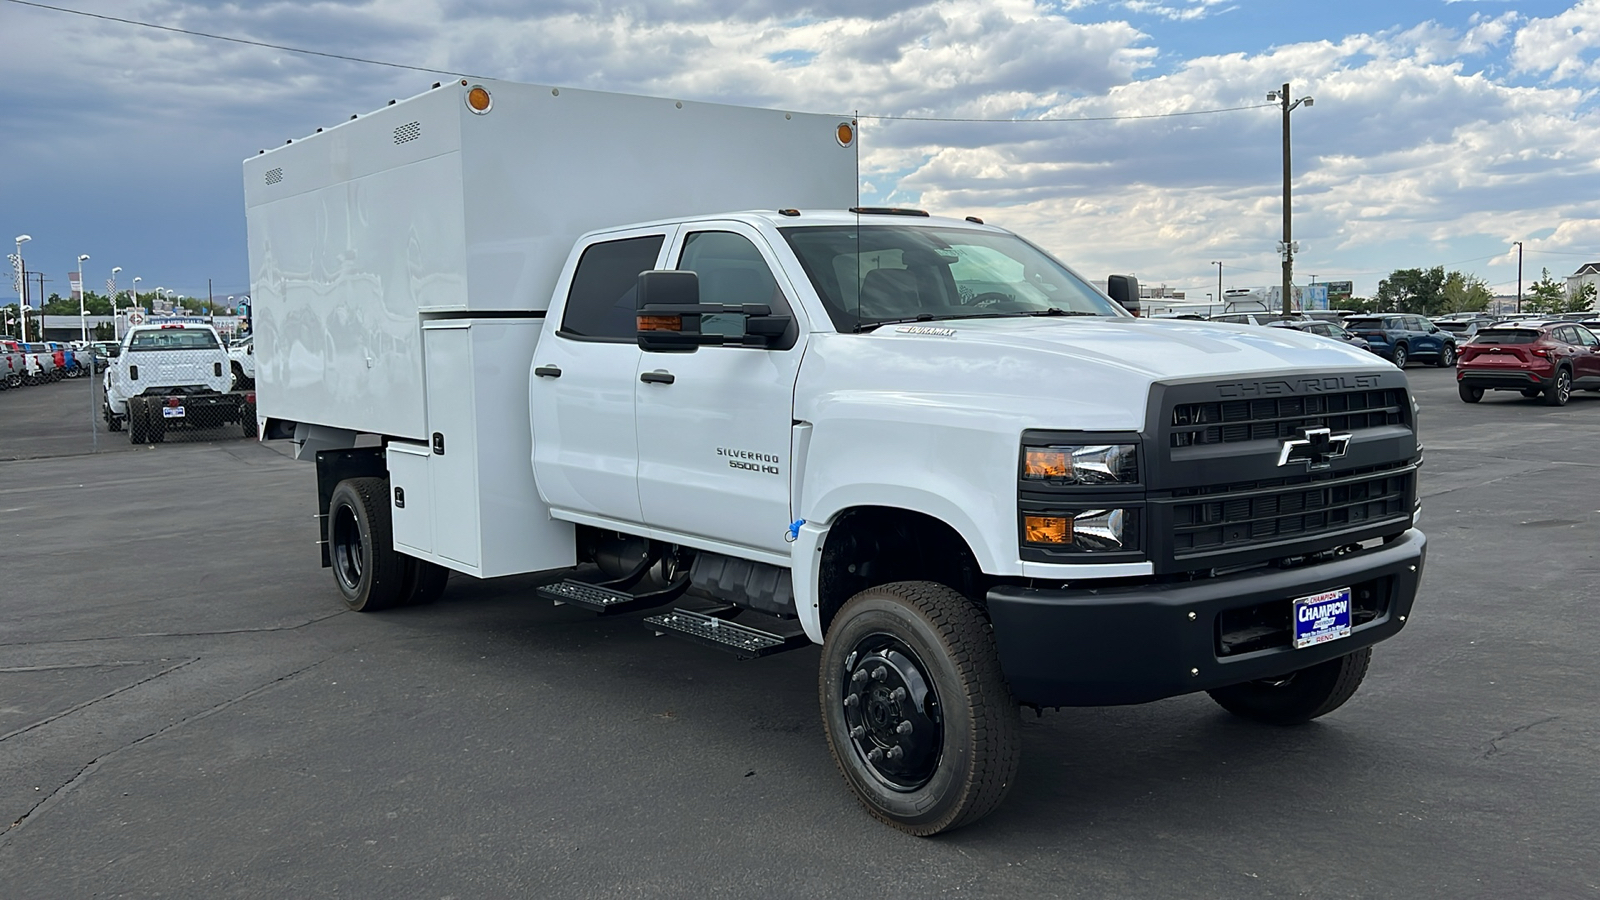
[1238,516]
[1274,418]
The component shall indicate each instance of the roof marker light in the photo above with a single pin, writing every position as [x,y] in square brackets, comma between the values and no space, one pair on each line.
[845,134]
[478,99]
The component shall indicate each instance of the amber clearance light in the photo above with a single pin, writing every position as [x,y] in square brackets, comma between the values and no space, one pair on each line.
[1047,529]
[845,134]
[478,99]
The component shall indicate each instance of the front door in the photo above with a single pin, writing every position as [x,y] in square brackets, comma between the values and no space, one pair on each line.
[585,445]
[715,424]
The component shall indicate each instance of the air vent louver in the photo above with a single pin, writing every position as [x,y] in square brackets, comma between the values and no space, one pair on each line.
[274,175]
[408,132]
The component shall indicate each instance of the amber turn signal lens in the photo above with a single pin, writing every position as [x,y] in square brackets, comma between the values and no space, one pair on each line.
[478,99]
[1048,529]
[660,323]
[845,133]
[1047,462]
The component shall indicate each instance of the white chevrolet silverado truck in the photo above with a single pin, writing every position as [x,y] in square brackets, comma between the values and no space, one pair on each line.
[923,443]
[172,376]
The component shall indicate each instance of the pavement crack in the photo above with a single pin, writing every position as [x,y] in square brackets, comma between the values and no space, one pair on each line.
[89,768]
[87,703]
[1492,748]
[158,634]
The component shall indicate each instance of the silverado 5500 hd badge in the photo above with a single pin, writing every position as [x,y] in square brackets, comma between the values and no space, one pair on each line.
[750,461]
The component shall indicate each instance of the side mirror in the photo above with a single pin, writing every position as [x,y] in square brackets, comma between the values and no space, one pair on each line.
[1125,290]
[116,350]
[671,316]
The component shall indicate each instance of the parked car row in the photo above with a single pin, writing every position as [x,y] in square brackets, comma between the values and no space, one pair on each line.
[41,362]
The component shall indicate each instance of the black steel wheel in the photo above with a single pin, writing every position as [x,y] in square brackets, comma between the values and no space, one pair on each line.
[1469,394]
[1559,392]
[1447,357]
[370,574]
[1401,356]
[1298,696]
[916,708]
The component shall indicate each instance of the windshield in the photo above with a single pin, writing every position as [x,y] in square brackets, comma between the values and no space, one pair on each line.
[173,339]
[887,273]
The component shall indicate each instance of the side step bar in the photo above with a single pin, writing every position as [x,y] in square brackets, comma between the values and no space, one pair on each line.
[604,600]
[741,640]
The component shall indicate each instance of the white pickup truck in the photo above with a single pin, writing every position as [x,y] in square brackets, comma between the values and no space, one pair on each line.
[170,376]
[923,443]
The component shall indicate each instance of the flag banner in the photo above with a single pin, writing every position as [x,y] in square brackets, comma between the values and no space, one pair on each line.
[75,280]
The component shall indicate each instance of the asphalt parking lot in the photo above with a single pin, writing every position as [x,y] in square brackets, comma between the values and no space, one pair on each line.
[185,711]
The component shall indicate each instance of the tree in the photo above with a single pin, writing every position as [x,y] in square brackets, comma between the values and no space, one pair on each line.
[1546,296]
[1413,291]
[1581,300]
[1465,293]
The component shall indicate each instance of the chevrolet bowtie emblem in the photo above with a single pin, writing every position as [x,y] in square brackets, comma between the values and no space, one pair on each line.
[1316,447]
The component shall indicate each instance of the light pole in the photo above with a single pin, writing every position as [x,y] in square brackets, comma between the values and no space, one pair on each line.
[1219,280]
[1519,276]
[1288,246]
[111,292]
[83,295]
[22,284]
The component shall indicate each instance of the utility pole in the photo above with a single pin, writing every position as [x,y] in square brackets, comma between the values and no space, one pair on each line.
[1288,247]
[1519,276]
[1219,282]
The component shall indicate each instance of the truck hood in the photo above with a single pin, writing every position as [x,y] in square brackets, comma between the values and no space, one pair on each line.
[1075,373]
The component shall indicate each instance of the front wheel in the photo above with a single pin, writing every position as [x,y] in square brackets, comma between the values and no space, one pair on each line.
[1401,356]
[1469,394]
[915,707]
[1559,392]
[370,574]
[1298,696]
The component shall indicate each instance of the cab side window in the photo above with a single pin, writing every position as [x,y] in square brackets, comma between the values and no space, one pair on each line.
[1586,337]
[733,272]
[602,302]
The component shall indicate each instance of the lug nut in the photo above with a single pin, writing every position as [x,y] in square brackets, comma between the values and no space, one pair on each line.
[858,732]
[859,677]
[875,755]
[898,693]
[896,753]
[903,728]
[880,673]
[851,701]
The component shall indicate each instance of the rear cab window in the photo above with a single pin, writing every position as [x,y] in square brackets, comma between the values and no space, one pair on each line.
[602,304]
[173,339]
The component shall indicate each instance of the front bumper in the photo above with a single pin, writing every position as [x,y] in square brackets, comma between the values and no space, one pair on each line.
[1105,646]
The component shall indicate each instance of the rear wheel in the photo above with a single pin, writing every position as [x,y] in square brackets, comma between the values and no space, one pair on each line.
[138,413]
[370,574]
[1298,696]
[1559,392]
[916,710]
[1469,394]
[1401,356]
[247,421]
[424,582]
[1447,357]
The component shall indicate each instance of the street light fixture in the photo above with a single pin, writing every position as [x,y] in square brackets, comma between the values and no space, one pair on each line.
[111,292]
[83,295]
[22,284]
[1288,247]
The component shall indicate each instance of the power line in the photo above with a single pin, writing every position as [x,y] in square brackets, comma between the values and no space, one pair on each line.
[392,65]
[234,40]
[1171,115]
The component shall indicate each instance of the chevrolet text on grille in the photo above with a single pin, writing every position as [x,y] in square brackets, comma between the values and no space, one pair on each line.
[1297,386]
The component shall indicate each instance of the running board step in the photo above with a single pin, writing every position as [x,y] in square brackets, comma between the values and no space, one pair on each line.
[741,640]
[603,600]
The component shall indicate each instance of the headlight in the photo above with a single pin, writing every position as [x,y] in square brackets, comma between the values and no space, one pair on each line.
[1083,530]
[1081,464]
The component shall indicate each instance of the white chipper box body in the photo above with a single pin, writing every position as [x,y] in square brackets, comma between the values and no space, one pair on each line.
[401,262]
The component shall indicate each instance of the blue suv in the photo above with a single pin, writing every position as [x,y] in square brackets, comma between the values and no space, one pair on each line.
[1402,337]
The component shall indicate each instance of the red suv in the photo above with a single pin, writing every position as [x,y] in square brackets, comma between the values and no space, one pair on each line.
[1549,358]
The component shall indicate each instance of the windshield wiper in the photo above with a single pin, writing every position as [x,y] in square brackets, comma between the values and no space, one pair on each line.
[1054,311]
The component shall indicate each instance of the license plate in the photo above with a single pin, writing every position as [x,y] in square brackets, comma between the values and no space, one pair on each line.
[1321,618]
[171,412]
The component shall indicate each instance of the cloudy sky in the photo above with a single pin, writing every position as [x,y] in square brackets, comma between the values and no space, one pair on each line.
[1442,130]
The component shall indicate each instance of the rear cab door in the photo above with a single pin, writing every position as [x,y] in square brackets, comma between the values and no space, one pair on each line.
[585,368]
[1586,363]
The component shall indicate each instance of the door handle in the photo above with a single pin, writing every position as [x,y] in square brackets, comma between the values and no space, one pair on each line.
[657,378]
[547,371]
